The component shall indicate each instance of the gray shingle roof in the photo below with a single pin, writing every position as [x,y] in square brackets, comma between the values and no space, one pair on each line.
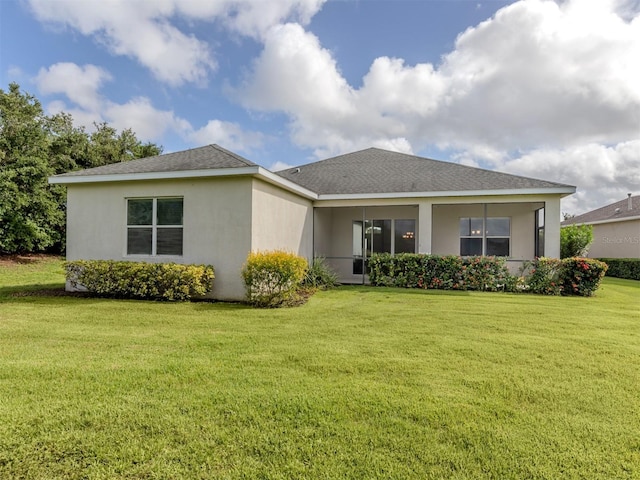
[201,158]
[380,171]
[615,211]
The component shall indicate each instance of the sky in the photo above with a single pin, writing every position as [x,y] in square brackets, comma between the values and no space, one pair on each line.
[547,89]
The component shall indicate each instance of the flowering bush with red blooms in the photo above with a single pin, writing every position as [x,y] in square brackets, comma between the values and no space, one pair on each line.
[542,276]
[582,276]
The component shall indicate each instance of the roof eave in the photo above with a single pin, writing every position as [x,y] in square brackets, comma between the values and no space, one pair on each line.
[255,170]
[129,177]
[600,222]
[563,191]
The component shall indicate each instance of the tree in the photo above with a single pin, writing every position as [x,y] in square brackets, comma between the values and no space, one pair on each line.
[30,217]
[107,146]
[33,147]
[575,240]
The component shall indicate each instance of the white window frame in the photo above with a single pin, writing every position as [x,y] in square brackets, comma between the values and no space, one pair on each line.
[154,227]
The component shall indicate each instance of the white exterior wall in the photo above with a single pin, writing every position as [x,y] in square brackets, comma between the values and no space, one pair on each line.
[281,220]
[446,237]
[616,240]
[217,224]
[552,228]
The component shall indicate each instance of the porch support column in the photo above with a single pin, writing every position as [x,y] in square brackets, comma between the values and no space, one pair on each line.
[425,220]
[552,228]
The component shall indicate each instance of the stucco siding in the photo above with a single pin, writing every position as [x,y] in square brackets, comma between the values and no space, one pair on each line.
[446,230]
[216,224]
[281,220]
[616,240]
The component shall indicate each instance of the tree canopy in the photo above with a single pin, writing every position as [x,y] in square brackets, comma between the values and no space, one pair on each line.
[34,146]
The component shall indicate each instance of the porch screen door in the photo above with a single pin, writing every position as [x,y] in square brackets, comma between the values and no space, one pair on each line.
[372,237]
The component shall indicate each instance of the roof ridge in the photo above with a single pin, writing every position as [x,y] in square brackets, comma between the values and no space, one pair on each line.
[247,162]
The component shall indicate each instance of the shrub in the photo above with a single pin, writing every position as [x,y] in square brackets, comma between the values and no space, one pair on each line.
[141,280]
[449,272]
[548,276]
[486,273]
[569,276]
[582,276]
[272,279]
[542,276]
[575,240]
[319,275]
[623,267]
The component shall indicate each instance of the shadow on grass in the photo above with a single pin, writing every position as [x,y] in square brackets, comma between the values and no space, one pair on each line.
[33,290]
[410,291]
[48,293]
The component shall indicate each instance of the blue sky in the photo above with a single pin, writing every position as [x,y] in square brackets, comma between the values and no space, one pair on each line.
[542,88]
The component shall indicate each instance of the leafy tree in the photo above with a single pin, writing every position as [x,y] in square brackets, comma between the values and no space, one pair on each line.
[30,218]
[575,240]
[107,146]
[33,147]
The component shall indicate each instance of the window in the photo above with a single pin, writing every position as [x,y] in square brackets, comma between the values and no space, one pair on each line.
[405,236]
[470,236]
[154,226]
[485,236]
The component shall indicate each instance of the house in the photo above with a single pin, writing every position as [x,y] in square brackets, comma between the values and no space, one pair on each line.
[209,205]
[616,229]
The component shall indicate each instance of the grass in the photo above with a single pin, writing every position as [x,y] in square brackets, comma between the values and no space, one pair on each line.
[358,383]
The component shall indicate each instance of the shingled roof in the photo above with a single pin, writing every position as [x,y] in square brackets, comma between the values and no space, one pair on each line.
[368,172]
[202,158]
[617,211]
[380,171]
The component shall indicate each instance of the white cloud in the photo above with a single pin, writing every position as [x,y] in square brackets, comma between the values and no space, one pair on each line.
[543,74]
[227,134]
[296,75]
[144,119]
[143,30]
[79,84]
[555,86]
[603,174]
[81,117]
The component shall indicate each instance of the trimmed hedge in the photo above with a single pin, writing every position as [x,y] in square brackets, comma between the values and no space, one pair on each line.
[273,278]
[550,276]
[141,280]
[628,268]
[449,272]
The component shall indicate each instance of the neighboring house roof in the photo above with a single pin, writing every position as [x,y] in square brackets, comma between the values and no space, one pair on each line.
[369,173]
[202,158]
[380,171]
[615,212]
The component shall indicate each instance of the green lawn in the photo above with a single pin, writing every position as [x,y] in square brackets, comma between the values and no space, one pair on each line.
[358,383]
